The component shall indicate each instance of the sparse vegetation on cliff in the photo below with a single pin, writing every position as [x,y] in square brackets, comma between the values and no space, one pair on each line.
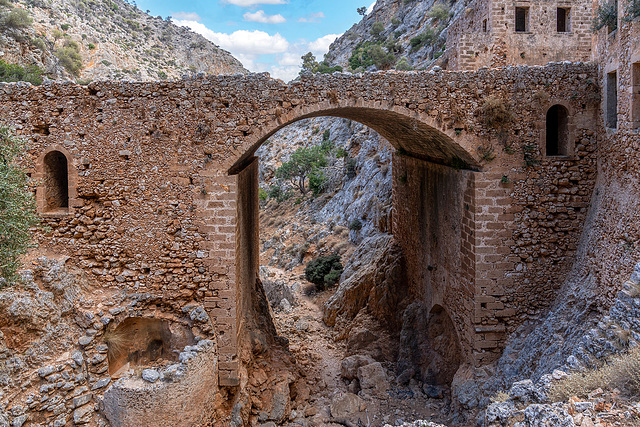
[16,73]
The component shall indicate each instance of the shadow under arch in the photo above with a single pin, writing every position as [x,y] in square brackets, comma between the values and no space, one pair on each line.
[413,133]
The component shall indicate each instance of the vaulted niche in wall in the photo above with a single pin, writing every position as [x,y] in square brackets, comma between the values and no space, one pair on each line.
[635,95]
[56,182]
[140,342]
[562,19]
[558,131]
[612,100]
[522,19]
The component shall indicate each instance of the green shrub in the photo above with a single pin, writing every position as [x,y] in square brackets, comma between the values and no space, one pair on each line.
[17,206]
[317,181]
[428,36]
[377,29]
[381,59]
[91,46]
[355,225]
[327,146]
[64,27]
[324,271]
[606,16]
[262,194]
[350,168]
[341,152]
[16,73]
[325,135]
[17,18]
[403,64]
[633,10]
[395,21]
[439,11]
[276,192]
[38,43]
[69,57]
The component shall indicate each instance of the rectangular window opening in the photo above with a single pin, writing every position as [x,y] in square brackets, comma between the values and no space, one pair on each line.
[563,20]
[612,100]
[635,95]
[484,26]
[522,19]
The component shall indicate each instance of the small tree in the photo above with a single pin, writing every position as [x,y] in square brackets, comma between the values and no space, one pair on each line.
[17,206]
[302,162]
[309,62]
[362,11]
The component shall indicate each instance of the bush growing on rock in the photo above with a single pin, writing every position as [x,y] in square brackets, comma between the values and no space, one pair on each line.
[17,18]
[17,207]
[69,56]
[16,73]
[324,271]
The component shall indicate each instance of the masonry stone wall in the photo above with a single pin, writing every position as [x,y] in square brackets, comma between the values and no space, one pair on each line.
[613,243]
[485,35]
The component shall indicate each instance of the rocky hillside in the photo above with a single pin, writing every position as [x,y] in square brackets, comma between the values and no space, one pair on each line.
[397,34]
[355,202]
[85,40]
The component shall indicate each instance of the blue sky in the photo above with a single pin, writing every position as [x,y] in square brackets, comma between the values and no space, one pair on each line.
[265,35]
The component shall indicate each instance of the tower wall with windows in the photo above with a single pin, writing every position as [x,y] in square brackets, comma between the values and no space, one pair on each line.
[493,33]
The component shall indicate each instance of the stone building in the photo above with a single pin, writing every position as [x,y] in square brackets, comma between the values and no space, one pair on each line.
[495,33]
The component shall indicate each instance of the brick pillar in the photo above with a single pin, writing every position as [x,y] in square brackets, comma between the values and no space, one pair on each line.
[494,221]
[219,211]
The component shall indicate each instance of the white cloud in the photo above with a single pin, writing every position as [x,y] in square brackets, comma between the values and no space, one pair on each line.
[370,8]
[290,59]
[241,42]
[253,48]
[263,18]
[246,3]
[187,16]
[312,17]
[321,46]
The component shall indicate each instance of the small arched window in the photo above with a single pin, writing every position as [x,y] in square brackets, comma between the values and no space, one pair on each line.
[56,182]
[558,131]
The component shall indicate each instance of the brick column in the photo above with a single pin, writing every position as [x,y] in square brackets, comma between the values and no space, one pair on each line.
[219,217]
[493,227]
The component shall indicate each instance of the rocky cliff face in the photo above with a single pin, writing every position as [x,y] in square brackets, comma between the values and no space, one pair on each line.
[113,40]
[358,191]
[412,29]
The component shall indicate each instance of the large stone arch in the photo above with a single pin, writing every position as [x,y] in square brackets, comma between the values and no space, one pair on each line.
[416,133]
[427,151]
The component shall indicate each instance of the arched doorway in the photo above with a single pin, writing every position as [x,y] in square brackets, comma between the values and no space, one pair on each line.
[56,182]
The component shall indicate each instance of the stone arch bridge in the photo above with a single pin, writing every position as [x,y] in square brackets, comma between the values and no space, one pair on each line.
[163,185]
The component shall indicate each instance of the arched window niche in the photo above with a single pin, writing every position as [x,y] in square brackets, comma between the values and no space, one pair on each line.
[56,187]
[557,131]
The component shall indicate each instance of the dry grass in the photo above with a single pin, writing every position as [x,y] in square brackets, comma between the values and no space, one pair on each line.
[117,341]
[496,113]
[500,396]
[622,372]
